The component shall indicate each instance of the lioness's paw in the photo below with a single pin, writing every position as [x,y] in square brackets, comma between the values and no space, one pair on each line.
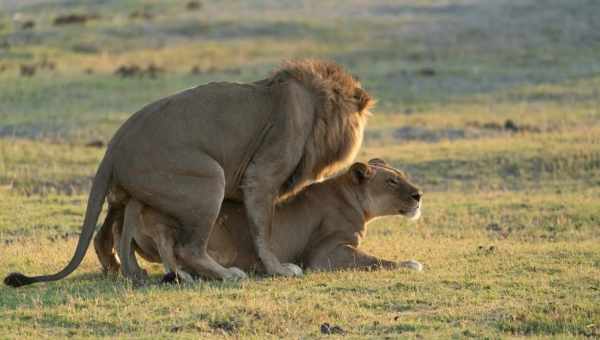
[235,274]
[293,269]
[412,264]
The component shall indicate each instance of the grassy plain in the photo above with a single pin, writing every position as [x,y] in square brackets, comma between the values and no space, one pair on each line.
[493,107]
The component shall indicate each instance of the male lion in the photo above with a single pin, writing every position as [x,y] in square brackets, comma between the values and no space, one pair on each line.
[321,227]
[255,143]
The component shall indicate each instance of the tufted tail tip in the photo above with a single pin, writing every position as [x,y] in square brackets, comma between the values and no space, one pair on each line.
[17,280]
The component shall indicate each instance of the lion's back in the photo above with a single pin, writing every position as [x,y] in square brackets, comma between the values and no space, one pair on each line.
[219,119]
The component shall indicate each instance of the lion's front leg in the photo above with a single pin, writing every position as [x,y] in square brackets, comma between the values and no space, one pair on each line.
[261,185]
[259,207]
[264,178]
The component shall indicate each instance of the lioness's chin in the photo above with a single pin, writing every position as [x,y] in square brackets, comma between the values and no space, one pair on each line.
[414,215]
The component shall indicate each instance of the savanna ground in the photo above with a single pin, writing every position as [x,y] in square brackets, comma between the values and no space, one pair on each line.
[493,107]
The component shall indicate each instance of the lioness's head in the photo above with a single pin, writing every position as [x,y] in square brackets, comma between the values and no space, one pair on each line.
[384,190]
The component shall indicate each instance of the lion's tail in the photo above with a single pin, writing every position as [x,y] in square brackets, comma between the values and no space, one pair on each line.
[99,191]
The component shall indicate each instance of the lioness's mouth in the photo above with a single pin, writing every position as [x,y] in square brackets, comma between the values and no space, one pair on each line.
[412,214]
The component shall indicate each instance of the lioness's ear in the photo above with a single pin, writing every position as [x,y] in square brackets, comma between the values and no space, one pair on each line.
[361,172]
[378,161]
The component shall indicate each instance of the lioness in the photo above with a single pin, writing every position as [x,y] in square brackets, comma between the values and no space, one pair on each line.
[255,143]
[320,228]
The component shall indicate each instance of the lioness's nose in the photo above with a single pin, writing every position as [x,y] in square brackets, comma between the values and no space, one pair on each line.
[416,195]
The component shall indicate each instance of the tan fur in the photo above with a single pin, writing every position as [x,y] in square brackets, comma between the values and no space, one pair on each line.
[320,228]
[315,115]
[255,143]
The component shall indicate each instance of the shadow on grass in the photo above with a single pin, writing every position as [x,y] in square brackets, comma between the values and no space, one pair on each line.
[94,286]
[446,9]
[65,324]
[547,326]
[397,328]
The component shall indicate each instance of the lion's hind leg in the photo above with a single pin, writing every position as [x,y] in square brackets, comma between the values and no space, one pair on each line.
[129,265]
[190,188]
[165,243]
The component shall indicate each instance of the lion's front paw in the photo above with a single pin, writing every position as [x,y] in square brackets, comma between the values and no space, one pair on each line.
[292,269]
[235,274]
[412,264]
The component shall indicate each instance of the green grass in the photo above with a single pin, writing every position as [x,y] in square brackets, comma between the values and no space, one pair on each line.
[510,228]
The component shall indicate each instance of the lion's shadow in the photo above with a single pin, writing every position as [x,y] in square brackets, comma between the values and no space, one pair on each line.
[99,286]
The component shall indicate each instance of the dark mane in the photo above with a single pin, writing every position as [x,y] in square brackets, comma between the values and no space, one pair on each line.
[340,114]
[330,81]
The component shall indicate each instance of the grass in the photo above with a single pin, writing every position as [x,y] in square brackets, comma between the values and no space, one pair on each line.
[509,233]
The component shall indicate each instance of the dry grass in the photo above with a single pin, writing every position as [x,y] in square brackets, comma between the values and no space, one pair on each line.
[509,234]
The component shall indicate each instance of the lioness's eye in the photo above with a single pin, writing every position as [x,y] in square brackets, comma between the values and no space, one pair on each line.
[392,181]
